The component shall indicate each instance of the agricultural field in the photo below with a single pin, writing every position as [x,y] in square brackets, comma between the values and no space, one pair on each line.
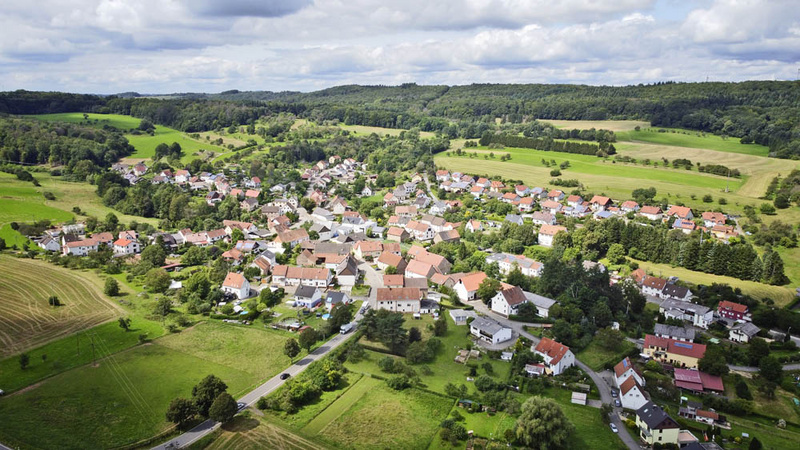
[26,318]
[610,125]
[677,137]
[380,131]
[781,295]
[122,399]
[245,433]
[385,418]
[144,143]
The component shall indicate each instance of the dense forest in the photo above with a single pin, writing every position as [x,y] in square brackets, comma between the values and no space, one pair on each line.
[762,112]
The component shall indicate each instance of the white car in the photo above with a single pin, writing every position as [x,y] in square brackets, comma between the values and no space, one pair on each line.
[614,428]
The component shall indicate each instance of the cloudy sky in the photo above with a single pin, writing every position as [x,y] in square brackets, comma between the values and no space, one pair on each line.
[164,46]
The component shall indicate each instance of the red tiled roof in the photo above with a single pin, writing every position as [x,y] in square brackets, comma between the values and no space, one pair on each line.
[680,211]
[627,385]
[553,349]
[600,200]
[735,307]
[394,294]
[650,210]
[234,280]
[654,282]
[551,230]
[472,281]
[677,347]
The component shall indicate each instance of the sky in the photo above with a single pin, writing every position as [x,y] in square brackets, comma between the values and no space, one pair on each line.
[168,46]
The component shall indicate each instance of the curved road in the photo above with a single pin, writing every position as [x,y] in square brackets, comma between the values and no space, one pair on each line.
[602,386]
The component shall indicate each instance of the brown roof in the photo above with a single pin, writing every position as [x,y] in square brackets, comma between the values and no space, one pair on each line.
[638,275]
[553,349]
[627,385]
[369,246]
[393,280]
[122,242]
[654,282]
[103,237]
[420,268]
[234,280]
[391,259]
[513,295]
[472,281]
[600,200]
[623,366]
[680,211]
[650,210]
[262,263]
[395,294]
[676,347]
[551,230]
[395,231]
[292,235]
[707,414]
[303,273]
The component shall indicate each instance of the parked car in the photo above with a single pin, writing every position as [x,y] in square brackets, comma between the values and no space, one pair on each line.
[285,376]
[614,393]
[617,403]
[614,428]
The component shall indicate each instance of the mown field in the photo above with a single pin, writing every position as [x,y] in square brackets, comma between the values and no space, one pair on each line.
[611,125]
[246,433]
[123,398]
[26,318]
[693,139]
[380,131]
[145,144]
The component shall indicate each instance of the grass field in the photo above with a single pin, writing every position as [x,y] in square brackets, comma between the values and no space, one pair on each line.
[781,295]
[590,431]
[258,352]
[246,433]
[360,387]
[122,400]
[611,125]
[384,418]
[367,130]
[596,356]
[145,144]
[26,318]
[692,139]
[14,238]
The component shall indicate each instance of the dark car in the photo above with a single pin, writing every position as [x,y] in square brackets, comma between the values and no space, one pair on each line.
[240,406]
[617,403]
[614,393]
[285,376]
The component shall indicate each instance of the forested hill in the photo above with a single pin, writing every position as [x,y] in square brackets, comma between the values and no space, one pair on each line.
[764,112]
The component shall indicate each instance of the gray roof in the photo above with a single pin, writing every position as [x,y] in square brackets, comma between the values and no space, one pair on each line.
[487,326]
[746,328]
[428,304]
[655,417]
[674,290]
[335,297]
[674,331]
[685,306]
[514,218]
[305,291]
[539,301]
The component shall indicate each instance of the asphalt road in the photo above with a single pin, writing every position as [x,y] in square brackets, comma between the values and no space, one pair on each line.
[602,385]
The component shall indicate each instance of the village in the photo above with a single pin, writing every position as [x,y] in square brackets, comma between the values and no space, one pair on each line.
[312,247]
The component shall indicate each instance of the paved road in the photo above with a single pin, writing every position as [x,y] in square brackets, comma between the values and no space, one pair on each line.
[603,386]
[3,447]
[431,192]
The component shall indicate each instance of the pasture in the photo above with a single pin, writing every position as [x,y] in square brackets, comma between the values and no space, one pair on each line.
[14,238]
[26,318]
[781,295]
[384,418]
[119,401]
[610,125]
[692,139]
[144,143]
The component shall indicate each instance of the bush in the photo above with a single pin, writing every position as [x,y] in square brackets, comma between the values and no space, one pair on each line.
[399,382]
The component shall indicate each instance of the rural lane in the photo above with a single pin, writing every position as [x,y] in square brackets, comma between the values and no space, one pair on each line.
[602,385]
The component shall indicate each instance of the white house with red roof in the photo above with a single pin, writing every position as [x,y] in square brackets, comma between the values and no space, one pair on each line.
[236,284]
[126,247]
[507,300]
[600,203]
[547,233]
[629,206]
[625,369]
[681,212]
[557,357]
[650,212]
[468,285]
[631,394]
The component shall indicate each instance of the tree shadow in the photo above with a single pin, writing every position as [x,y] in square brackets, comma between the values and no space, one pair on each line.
[241,424]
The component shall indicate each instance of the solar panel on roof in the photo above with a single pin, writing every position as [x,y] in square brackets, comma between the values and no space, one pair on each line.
[624,363]
[683,345]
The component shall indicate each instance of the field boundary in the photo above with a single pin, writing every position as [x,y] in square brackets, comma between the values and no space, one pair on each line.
[315,428]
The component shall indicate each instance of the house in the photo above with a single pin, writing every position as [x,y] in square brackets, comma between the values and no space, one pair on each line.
[624,370]
[308,276]
[249,204]
[323,215]
[291,237]
[650,212]
[631,394]
[543,218]
[333,298]
[507,300]
[446,236]
[743,332]
[681,212]
[406,211]
[397,234]
[629,206]
[534,370]
[734,311]
[406,300]
[462,316]
[440,263]
[50,244]
[521,190]
[551,206]
[467,286]
[263,263]
[105,238]
[706,417]
[79,248]
[698,382]
[547,233]
[233,256]
[419,269]
[525,204]
[674,332]
[338,206]
[656,426]
[442,175]
[473,226]
[367,191]
[387,259]
[514,218]
[686,226]
[676,292]
[236,284]
[557,357]
[364,249]
[698,315]
[182,176]
[347,273]
[638,276]
[574,200]
[711,219]
[510,197]
[307,297]
[555,195]
[439,207]
[419,230]
[653,286]
[489,331]
[600,203]
[507,263]
[676,353]
[542,304]
[394,281]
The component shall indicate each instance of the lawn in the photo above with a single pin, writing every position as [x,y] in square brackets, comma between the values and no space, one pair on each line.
[590,431]
[256,351]
[120,401]
[596,356]
[781,295]
[26,318]
[384,418]
[144,143]
[611,125]
[444,369]
[21,201]
[258,433]
[692,139]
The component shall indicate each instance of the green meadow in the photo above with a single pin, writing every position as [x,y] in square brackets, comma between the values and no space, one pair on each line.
[693,139]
